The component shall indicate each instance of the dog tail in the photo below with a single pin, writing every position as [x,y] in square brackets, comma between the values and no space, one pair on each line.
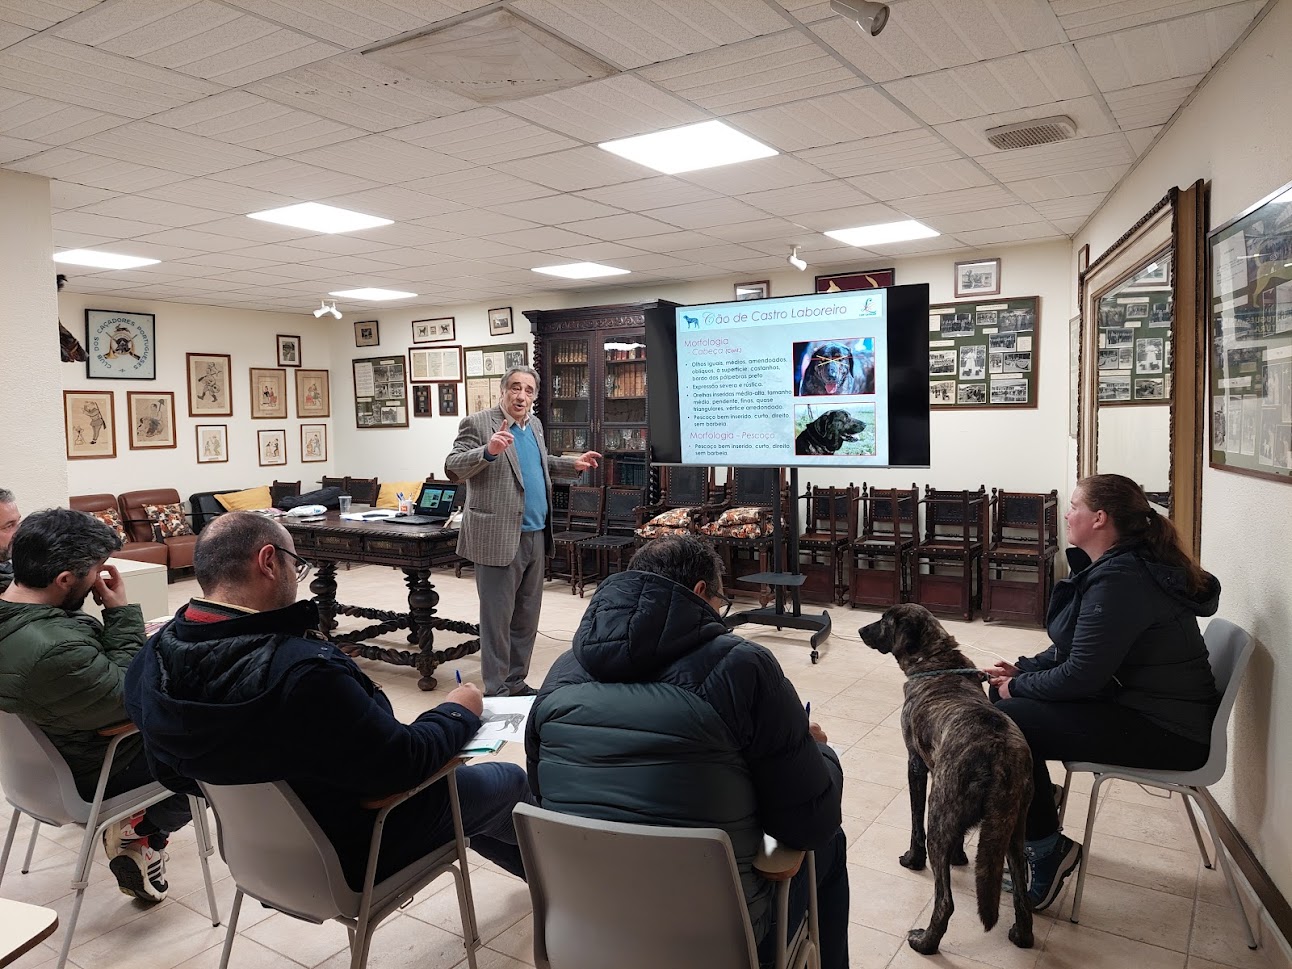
[989,866]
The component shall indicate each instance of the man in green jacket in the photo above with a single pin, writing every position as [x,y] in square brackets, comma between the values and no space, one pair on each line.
[65,672]
[9,519]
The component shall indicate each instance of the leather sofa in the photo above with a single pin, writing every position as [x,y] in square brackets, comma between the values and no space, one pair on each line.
[136,551]
[179,549]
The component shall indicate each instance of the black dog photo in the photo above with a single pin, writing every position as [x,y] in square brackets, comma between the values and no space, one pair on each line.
[841,430]
[829,368]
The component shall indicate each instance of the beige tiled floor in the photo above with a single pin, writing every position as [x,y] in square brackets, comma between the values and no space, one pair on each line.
[1148,902]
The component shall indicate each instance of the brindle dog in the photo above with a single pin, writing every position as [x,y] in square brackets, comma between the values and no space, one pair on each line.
[981,765]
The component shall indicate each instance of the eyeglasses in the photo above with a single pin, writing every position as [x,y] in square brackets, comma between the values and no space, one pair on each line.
[726,601]
[303,568]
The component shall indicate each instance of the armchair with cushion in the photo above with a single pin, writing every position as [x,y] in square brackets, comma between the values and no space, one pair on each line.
[105,508]
[173,530]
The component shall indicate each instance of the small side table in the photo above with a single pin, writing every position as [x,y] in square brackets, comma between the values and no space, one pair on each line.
[23,927]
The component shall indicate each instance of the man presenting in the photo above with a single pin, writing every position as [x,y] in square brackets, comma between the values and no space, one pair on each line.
[241,688]
[661,715]
[65,672]
[9,519]
[506,524]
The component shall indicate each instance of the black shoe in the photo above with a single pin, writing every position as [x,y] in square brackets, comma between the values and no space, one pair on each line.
[525,690]
[1050,871]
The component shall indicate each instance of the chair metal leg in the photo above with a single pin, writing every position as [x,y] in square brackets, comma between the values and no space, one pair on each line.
[1197,835]
[233,929]
[1085,847]
[71,928]
[31,846]
[462,876]
[1224,864]
[360,943]
[1063,799]
[204,851]
[8,842]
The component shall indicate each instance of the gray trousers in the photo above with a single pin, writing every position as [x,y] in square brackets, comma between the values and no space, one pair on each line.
[510,599]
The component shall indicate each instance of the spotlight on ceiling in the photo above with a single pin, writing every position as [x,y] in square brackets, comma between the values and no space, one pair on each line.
[327,307]
[795,261]
[870,17]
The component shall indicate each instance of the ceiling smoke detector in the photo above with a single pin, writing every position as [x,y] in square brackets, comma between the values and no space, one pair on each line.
[1029,134]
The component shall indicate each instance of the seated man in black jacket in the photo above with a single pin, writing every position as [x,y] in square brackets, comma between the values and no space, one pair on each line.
[654,670]
[241,688]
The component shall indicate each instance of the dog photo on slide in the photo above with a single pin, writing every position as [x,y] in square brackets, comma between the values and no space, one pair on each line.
[830,368]
[848,430]
[971,762]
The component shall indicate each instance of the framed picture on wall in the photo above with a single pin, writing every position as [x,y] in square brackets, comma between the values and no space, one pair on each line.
[212,443]
[760,289]
[90,424]
[367,333]
[500,323]
[448,400]
[422,400]
[208,385]
[268,393]
[120,346]
[313,394]
[289,351]
[151,418]
[271,448]
[439,330]
[848,282]
[380,392]
[978,278]
[434,365]
[313,443]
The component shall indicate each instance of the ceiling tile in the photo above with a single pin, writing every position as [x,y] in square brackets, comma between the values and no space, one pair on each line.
[957,201]
[1088,116]
[751,231]
[928,35]
[558,210]
[616,227]
[668,242]
[616,107]
[71,165]
[543,237]
[700,215]
[800,199]
[1074,206]
[755,74]
[12,149]
[991,87]
[195,239]
[1080,154]
[167,148]
[399,203]
[922,180]
[1070,226]
[578,168]
[478,222]
[648,31]
[1150,104]
[650,193]
[998,235]
[483,136]
[94,79]
[356,24]
[296,179]
[480,186]
[41,14]
[360,93]
[239,118]
[827,120]
[759,175]
[1088,182]
[11,33]
[602,252]
[1141,138]
[49,122]
[1006,215]
[1160,51]
[207,193]
[68,195]
[162,213]
[846,217]
[885,153]
[381,159]
[1085,18]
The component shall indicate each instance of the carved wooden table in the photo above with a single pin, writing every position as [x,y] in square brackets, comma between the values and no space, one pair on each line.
[415,549]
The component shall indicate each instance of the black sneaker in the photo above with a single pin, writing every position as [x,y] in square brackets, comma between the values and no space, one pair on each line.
[1050,871]
[525,690]
[140,871]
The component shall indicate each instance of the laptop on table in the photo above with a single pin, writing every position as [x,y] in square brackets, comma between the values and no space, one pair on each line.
[435,503]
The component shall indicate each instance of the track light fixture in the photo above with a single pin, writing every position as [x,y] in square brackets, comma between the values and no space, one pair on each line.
[326,307]
[795,261]
[870,17]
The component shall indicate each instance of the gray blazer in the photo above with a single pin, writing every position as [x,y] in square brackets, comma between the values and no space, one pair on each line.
[495,502]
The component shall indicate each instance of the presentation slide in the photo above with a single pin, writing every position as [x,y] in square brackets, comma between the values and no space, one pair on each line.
[801,381]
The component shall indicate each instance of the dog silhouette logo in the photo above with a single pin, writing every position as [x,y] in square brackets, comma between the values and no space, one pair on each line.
[692,322]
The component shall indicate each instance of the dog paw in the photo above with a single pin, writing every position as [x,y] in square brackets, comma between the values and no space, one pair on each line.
[958,857]
[922,942]
[912,860]
[1021,938]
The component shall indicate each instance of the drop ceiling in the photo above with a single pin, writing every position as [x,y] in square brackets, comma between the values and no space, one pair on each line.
[162,123]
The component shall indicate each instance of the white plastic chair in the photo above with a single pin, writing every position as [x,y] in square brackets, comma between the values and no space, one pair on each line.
[39,784]
[279,856]
[637,896]
[1229,647]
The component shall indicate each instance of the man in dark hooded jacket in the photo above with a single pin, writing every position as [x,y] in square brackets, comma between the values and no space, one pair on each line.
[241,688]
[659,713]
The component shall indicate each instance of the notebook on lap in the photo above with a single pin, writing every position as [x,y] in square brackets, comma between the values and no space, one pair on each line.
[435,503]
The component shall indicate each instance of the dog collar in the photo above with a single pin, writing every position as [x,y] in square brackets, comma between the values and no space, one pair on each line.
[979,674]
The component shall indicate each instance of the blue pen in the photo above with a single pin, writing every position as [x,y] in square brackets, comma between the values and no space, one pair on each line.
[458,674]
[807,708]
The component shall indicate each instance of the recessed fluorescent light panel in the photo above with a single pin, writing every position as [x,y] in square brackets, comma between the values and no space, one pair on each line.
[878,235]
[690,148]
[102,260]
[372,294]
[581,270]
[320,218]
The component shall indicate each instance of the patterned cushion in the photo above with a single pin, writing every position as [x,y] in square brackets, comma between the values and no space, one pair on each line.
[655,531]
[169,521]
[675,521]
[739,516]
[744,530]
[112,518]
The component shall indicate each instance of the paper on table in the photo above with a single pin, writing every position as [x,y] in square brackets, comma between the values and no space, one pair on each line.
[504,719]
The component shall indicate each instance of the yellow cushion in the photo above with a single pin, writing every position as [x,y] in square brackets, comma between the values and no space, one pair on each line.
[253,499]
[386,497]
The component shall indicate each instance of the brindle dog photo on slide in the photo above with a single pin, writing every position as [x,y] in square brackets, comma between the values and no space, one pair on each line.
[981,772]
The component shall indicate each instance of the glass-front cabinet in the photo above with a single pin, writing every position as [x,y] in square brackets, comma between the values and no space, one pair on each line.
[593,366]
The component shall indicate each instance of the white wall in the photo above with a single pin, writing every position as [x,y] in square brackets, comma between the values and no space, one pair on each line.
[1225,135]
[1024,450]
[32,456]
[249,338]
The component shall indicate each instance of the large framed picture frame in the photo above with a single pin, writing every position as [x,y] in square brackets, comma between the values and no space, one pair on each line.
[1250,385]
[150,417]
[484,367]
[380,392]
[434,365]
[422,395]
[850,281]
[442,329]
[978,277]
[984,353]
[500,321]
[313,394]
[289,350]
[120,346]
[268,393]
[212,443]
[89,424]
[209,385]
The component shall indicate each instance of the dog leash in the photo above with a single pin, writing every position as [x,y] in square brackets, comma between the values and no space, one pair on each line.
[979,674]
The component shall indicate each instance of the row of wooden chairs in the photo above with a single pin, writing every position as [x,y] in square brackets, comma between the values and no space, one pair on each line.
[362,491]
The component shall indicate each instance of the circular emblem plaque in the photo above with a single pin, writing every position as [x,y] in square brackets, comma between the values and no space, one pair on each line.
[120,345]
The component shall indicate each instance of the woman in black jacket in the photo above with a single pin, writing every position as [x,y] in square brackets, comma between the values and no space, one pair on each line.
[1126,680]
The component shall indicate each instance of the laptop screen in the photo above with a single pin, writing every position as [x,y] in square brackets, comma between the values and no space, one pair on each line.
[438,499]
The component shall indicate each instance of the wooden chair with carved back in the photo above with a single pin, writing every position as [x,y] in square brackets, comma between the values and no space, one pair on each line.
[829,530]
[583,521]
[955,529]
[878,559]
[1018,564]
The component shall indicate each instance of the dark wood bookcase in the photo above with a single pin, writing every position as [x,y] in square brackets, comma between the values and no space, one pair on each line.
[592,361]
